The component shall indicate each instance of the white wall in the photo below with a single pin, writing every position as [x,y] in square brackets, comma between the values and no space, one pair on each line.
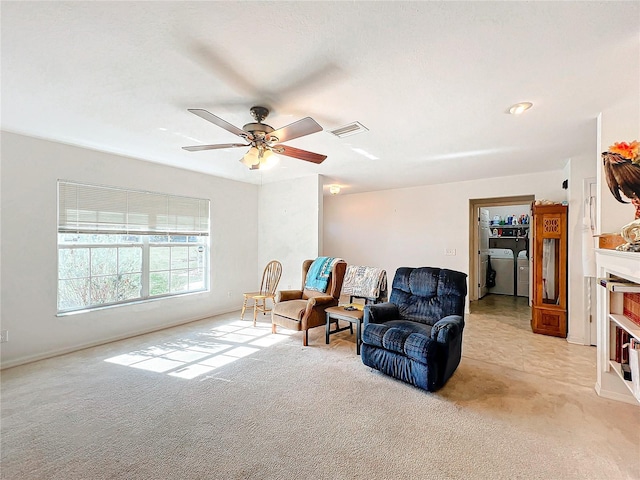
[579,168]
[290,218]
[413,226]
[618,123]
[30,169]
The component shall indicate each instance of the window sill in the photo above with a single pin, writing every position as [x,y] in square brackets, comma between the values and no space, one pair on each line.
[127,304]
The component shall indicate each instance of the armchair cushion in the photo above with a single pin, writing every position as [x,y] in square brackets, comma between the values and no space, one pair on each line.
[416,337]
[405,337]
[293,308]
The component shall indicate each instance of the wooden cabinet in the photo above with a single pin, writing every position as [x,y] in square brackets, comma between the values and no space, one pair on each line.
[549,253]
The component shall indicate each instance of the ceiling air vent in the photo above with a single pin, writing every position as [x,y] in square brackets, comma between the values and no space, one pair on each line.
[350,129]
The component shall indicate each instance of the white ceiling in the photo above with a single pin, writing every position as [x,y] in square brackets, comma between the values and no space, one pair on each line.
[430,80]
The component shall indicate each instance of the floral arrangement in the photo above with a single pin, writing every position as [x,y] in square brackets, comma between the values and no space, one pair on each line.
[622,173]
[630,151]
[622,170]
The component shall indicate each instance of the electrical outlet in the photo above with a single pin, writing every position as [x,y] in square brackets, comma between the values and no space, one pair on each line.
[449,251]
[229,294]
[4,336]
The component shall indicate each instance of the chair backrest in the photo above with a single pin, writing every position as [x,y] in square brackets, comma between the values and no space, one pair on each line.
[335,280]
[428,294]
[271,277]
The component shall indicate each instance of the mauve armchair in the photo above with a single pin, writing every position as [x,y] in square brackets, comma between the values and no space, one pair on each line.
[305,308]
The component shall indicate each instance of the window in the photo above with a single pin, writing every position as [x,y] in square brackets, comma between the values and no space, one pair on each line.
[119,246]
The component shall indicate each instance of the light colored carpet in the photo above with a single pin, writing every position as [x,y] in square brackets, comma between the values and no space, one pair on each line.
[219,399]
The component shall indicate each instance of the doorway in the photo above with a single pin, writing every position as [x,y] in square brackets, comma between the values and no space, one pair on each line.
[481,243]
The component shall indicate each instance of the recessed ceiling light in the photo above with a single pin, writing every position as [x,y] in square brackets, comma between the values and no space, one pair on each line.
[518,108]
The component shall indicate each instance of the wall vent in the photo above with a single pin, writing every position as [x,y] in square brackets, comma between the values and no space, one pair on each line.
[350,129]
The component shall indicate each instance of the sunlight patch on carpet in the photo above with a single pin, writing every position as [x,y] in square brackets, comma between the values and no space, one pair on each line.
[204,351]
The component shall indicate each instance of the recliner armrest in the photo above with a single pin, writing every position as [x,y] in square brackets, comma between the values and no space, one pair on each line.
[284,295]
[321,299]
[381,312]
[447,328]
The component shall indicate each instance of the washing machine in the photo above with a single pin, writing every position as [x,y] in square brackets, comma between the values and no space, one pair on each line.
[502,263]
[523,274]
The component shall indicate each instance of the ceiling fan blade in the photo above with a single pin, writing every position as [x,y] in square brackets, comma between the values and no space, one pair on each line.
[297,129]
[299,153]
[223,63]
[312,80]
[197,148]
[210,117]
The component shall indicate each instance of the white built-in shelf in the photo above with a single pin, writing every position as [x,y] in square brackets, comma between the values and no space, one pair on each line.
[617,368]
[626,266]
[626,324]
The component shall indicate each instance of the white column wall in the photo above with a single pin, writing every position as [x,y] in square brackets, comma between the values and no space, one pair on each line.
[580,167]
[290,219]
[30,169]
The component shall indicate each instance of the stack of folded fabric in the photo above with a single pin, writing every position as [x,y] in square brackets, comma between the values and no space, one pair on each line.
[365,282]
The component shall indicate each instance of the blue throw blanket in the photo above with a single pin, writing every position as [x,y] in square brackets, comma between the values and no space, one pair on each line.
[318,274]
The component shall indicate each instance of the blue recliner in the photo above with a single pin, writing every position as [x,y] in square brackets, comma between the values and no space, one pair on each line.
[416,337]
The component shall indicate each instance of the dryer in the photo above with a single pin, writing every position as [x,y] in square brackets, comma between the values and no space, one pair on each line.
[523,274]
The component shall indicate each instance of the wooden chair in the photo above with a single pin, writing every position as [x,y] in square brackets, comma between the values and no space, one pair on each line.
[268,286]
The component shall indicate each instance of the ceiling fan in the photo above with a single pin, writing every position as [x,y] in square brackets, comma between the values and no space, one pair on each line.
[262,138]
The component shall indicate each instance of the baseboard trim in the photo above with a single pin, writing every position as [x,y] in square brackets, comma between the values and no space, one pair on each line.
[75,348]
[620,397]
[576,340]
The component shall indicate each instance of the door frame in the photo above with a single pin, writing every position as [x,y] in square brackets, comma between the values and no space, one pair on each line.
[474,243]
[482,283]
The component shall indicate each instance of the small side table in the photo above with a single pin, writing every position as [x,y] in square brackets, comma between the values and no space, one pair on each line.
[351,316]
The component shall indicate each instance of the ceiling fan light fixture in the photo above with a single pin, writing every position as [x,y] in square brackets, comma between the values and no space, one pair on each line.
[519,108]
[268,160]
[334,189]
[256,159]
[251,158]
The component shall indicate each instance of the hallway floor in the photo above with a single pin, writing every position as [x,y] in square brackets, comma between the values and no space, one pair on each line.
[498,331]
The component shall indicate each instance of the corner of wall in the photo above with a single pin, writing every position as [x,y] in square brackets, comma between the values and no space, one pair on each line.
[320,215]
[289,225]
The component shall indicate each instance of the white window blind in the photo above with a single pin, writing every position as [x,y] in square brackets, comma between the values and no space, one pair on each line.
[90,209]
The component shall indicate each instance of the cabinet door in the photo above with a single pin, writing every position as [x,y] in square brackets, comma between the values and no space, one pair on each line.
[550,259]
